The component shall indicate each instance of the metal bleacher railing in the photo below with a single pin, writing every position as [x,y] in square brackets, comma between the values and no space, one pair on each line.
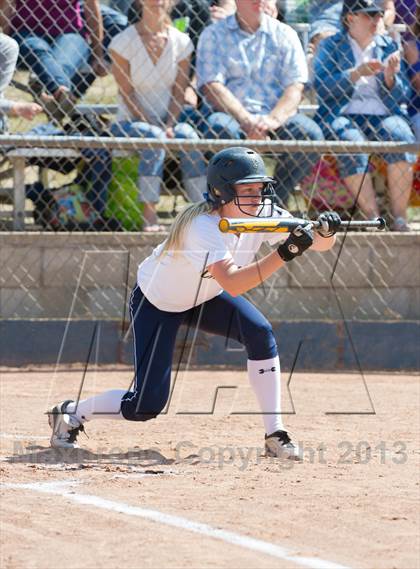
[26,146]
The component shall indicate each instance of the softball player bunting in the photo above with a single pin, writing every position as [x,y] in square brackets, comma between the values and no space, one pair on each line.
[196,277]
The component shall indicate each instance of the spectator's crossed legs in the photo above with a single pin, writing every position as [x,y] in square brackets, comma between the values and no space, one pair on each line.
[55,61]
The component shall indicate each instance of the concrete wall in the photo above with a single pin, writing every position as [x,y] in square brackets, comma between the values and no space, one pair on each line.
[304,345]
[46,279]
[48,275]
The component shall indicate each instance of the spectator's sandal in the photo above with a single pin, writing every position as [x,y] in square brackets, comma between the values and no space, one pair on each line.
[56,108]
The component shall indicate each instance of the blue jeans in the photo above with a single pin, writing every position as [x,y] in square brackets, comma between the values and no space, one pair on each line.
[152,161]
[54,60]
[415,124]
[360,128]
[291,167]
[155,331]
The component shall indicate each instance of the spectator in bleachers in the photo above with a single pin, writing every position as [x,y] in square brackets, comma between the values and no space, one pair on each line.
[9,51]
[53,45]
[151,61]
[412,56]
[325,19]
[251,70]
[360,88]
[189,16]
[192,15]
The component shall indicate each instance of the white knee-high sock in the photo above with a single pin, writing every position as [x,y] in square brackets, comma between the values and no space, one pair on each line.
[107,405]
[265,379]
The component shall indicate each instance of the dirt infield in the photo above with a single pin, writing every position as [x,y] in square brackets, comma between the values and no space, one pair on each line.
[192,488]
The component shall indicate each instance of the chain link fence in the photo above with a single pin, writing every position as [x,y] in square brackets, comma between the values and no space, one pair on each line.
[110,112]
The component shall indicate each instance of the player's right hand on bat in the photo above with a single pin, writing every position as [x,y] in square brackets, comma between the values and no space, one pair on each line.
[329,223]
[298,241]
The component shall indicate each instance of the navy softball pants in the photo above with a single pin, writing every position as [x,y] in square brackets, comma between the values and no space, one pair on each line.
[155,331]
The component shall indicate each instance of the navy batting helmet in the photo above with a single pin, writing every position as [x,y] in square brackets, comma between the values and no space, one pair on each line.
[232,166]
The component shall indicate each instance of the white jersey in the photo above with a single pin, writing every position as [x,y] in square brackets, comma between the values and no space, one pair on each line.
[178,280]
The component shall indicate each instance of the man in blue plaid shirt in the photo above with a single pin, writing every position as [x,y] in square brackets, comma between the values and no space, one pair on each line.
[251,70]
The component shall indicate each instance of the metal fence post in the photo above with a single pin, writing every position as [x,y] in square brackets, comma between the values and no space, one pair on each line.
[18,193]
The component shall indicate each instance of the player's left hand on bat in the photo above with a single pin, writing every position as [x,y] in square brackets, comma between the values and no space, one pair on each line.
[329,223]
[297,243]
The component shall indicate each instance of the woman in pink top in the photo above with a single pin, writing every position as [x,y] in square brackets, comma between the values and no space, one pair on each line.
[52,43]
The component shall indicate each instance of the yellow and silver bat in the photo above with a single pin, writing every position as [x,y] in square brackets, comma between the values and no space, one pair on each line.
[285,225]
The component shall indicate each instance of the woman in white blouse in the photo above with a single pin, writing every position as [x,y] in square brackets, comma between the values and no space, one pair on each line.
[150,63]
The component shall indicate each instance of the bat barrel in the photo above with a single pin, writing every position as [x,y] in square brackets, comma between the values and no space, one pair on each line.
[285,225]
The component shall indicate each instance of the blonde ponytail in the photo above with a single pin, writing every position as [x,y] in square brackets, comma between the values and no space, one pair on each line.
[182,221]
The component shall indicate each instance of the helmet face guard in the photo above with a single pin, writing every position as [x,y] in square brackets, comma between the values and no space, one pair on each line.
[267,197]
[238,166]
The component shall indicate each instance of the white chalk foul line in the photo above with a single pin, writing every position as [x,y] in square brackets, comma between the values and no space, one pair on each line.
[60,488]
